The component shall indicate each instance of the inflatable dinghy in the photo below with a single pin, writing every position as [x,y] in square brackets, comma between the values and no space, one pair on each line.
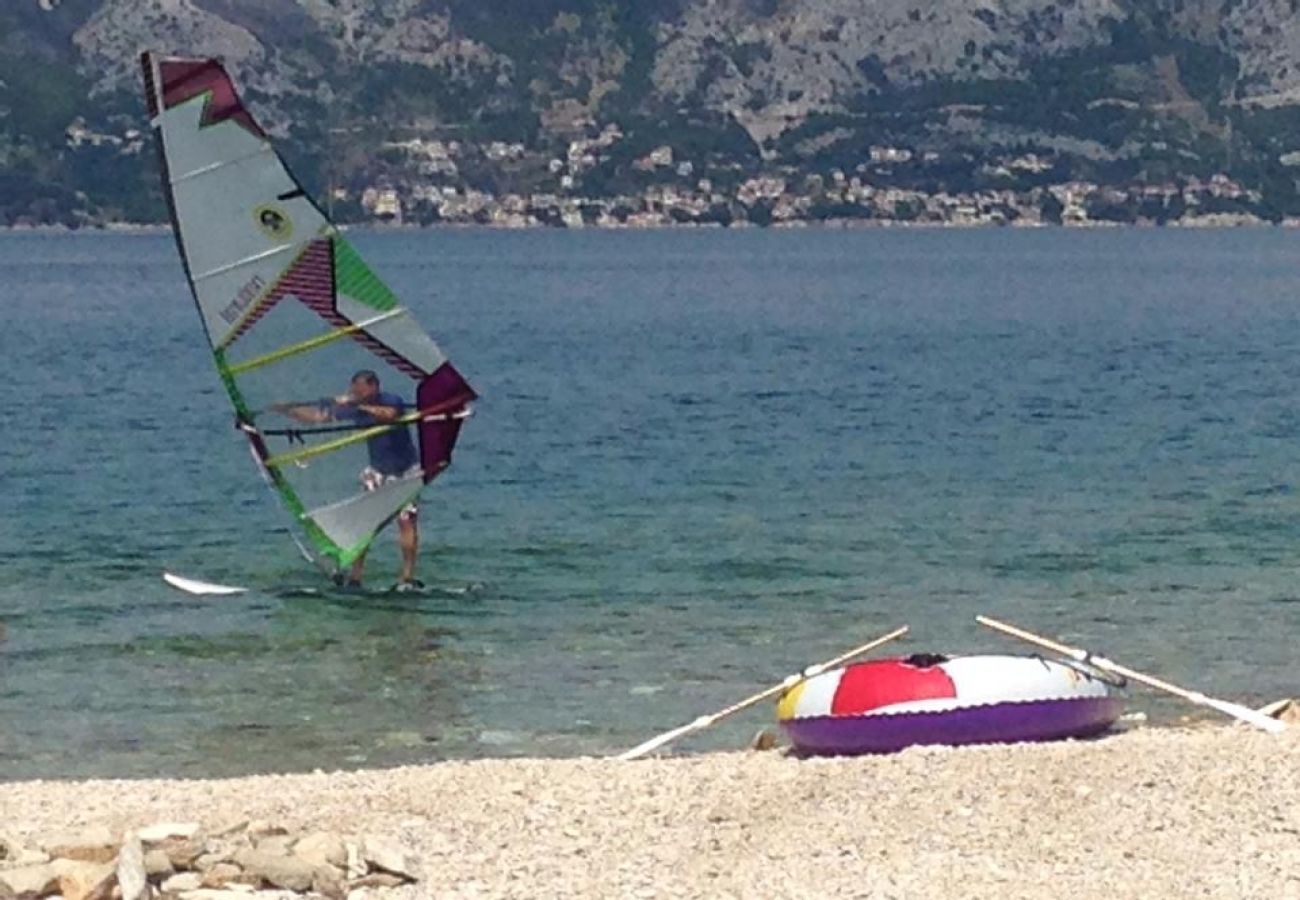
[885,705]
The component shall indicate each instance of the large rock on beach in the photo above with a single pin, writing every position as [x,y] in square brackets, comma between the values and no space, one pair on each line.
[321,848]
[328,882]
[79,880]
[157,862]
[277,870]
[389,856]
[29,882]
[16,852]
[182,853]
[275,844]
[98,845]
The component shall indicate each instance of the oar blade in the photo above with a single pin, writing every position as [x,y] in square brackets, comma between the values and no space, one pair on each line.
[1236,710]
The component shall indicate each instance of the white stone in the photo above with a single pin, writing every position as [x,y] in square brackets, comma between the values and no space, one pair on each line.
[156,862]
[14,852]
[131,876]
[90,845]
[389,855]
[79,880]
[35,881]
[322,849]
[232,894]
[185,881]
[286,872]
[356,865]
[277,844]
[164,830]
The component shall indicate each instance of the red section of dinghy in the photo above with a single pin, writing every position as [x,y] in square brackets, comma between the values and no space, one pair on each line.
[870,685]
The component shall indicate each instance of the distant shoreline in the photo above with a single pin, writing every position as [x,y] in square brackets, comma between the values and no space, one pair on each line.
[1197,223]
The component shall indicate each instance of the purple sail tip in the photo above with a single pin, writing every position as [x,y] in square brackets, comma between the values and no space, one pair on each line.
[444,392]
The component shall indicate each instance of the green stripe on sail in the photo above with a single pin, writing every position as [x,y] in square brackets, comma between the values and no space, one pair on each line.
[353,278]
[313,343]
[318,538]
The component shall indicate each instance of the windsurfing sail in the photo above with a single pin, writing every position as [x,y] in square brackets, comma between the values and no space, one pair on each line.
[291,312]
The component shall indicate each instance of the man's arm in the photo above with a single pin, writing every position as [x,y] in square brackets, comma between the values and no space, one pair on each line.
[312,415]
[380,412]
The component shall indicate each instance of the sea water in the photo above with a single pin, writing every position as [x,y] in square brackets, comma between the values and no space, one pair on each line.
[702,461]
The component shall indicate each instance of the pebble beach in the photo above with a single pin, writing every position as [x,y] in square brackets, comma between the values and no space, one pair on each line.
[1206,811]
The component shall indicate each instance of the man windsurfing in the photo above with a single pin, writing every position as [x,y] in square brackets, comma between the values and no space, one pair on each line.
[392,458]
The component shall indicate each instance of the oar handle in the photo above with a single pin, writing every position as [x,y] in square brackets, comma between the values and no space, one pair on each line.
[1065,650]
[790,681]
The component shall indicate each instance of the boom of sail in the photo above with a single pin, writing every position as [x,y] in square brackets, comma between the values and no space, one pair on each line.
[291,312]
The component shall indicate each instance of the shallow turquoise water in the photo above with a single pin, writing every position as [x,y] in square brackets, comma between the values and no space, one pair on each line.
[702,460]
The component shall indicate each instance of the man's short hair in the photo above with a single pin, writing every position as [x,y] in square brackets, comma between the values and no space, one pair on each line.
[368,376]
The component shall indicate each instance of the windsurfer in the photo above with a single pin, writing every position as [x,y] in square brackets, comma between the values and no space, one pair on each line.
[392,456]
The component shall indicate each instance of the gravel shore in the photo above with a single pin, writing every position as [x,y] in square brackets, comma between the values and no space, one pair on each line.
[1206,812]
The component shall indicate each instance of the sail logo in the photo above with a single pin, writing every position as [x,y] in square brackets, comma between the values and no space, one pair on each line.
[274,223]
[247,294]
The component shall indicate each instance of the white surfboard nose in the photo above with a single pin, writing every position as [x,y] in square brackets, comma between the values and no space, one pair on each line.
[201,588]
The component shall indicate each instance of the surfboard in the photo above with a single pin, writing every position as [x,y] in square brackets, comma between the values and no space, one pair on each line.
[201,588]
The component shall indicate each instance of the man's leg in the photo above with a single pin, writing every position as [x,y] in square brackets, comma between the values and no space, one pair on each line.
[408,538]
[358,570]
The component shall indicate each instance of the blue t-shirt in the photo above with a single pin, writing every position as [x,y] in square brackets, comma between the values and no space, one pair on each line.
[392,452]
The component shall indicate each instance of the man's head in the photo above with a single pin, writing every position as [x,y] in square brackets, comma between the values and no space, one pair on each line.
[365,385]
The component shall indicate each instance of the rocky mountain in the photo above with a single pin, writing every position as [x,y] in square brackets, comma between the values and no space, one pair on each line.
[365,92]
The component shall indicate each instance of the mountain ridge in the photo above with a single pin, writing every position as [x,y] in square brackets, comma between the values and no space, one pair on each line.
[1110,92]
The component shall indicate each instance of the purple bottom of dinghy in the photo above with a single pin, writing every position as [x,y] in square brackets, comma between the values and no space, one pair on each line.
[998,723]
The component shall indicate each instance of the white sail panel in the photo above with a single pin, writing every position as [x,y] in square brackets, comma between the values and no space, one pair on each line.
[292,313]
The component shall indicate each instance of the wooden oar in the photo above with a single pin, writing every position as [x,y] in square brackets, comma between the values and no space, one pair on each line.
[705,721]
[1236,710]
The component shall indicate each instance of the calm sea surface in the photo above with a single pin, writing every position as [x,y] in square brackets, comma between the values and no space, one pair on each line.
[702,461]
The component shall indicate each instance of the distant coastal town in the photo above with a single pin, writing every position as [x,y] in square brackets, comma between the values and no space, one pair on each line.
[595,182]
[868,193]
